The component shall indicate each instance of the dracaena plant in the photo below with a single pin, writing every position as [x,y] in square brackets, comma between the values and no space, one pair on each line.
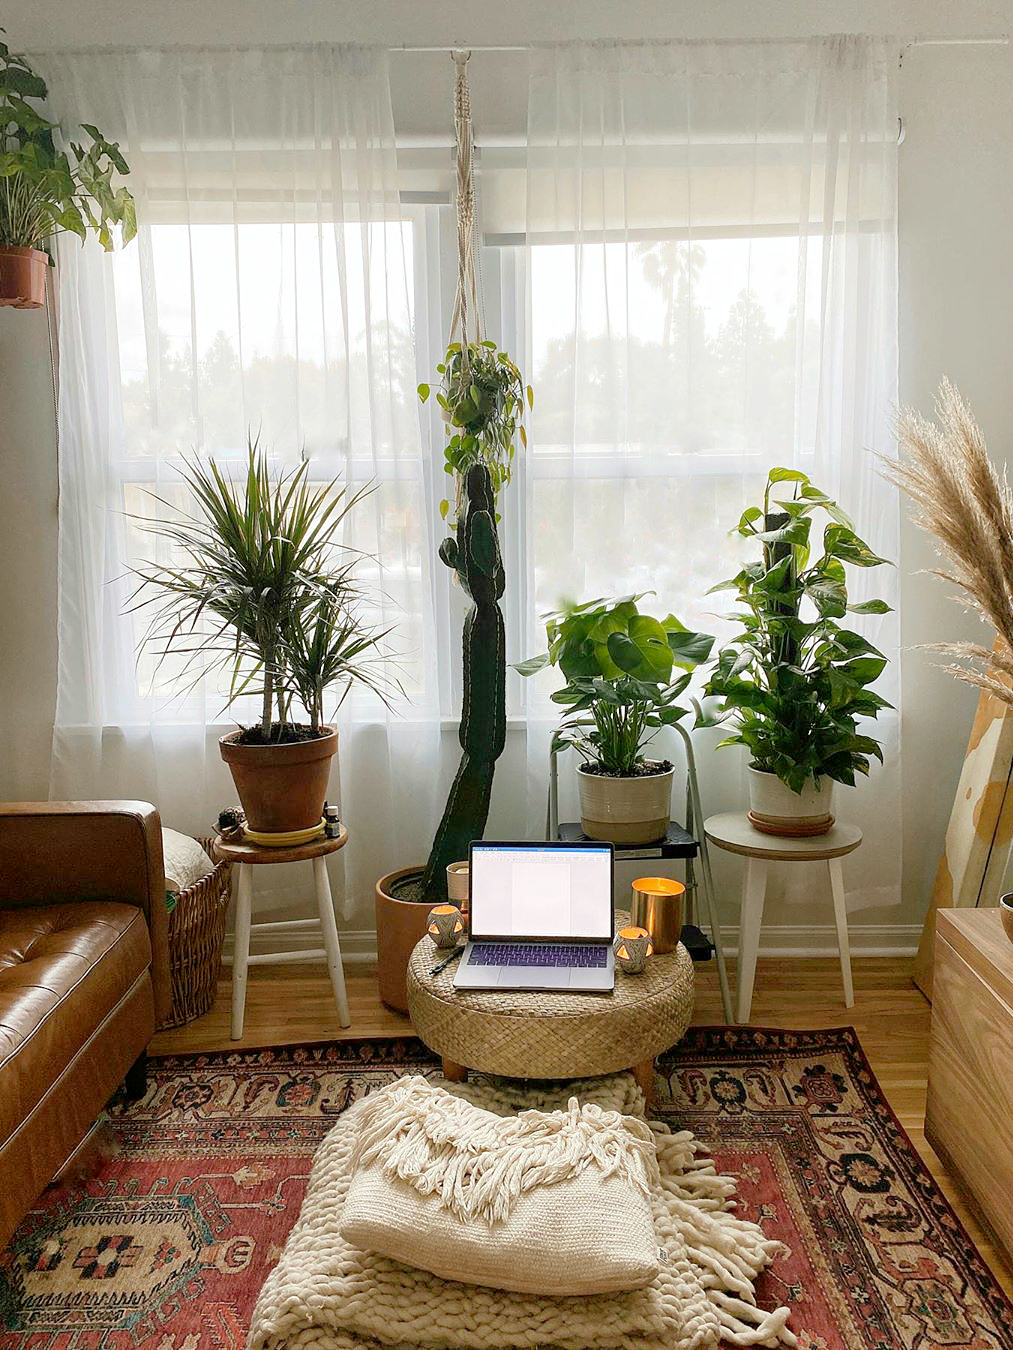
[794,681]
[259,586]
[625,672]
[45,189]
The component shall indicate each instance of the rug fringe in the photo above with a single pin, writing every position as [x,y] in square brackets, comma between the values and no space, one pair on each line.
[727,1251]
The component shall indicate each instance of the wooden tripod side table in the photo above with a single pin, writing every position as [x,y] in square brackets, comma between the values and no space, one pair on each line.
[246,856]
[734,833]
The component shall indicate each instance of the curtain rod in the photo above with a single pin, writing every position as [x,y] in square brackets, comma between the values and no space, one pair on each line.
[971,41]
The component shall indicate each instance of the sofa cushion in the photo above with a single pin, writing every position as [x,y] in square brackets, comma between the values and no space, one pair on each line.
[63,968]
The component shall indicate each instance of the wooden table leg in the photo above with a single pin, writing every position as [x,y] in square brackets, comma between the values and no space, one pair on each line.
[241,948]
[329,928]
[754,889]
[454,1073]
[841,920]
[644,1074]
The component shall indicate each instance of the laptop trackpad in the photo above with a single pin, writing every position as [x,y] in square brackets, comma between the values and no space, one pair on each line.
[533,977]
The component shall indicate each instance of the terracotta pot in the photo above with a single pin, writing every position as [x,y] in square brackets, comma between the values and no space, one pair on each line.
[281,787]
[399,925]
[775,809]
[625,810]
[23,277]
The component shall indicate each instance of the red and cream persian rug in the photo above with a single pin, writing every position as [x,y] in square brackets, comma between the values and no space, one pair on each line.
[168,1244]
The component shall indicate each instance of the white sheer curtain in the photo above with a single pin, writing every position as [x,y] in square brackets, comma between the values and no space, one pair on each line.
[269,291]
[710,242]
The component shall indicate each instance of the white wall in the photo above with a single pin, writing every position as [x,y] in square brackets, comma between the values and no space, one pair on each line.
[956,316]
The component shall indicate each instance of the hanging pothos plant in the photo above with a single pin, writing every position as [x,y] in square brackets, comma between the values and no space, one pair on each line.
[481,397]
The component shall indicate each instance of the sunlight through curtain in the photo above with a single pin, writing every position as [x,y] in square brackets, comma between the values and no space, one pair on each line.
[710,242]
[269,293]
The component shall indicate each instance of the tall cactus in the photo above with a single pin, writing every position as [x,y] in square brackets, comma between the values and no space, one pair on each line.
[475,556]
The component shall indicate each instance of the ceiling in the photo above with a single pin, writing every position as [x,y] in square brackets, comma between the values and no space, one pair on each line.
[38,25]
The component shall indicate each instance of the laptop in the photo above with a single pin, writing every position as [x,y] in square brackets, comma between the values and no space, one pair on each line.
[540,917]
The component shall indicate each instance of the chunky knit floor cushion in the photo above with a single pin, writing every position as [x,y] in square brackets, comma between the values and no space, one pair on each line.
[543,1202]
[324,1294]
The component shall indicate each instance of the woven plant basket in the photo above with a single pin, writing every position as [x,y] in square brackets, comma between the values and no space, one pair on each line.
[196,935]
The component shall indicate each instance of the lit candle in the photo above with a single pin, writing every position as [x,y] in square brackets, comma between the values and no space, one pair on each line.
[445,925]
[633,946]
[659,905]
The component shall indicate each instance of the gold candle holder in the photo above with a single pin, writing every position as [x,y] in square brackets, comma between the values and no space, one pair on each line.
[659,905]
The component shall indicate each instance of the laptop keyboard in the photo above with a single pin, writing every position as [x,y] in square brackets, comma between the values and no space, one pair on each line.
[581,955]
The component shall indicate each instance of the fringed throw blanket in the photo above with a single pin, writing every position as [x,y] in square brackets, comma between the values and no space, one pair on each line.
[544,1202]
[325,1294]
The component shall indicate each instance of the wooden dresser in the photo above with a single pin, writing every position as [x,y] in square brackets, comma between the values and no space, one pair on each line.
[969,1115]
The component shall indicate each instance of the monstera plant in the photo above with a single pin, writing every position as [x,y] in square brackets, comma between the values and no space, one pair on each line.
[625,672]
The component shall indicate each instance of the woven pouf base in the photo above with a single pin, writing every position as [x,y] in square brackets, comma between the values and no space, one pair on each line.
[524,1034]
[325,1295]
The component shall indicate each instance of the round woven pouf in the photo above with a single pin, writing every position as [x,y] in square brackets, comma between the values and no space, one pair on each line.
[520,1034]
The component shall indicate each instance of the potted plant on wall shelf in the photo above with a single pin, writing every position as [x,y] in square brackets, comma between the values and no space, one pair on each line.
[624,672]
[259,587]
[793,682]
[484,413]
[45,190]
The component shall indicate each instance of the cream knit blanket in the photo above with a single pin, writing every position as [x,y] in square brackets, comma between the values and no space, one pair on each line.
[325,1295]
[480,1164]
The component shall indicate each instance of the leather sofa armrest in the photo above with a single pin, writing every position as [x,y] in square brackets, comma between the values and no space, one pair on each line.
[62,852]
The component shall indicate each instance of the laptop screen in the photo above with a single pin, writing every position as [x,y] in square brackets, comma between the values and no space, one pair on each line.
[541,891]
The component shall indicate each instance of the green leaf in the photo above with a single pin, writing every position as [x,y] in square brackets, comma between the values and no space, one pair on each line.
[841,542]
[828,593]
[650,638]
[787,476]
[449,551]
[796,532]
[23,82]
[870,607]
[423,392]
[532,665]
[864,669]
[689,649]
[624,652]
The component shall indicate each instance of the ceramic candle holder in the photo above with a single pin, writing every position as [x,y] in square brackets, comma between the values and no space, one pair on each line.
[445,925]
[632,947]
[457,885]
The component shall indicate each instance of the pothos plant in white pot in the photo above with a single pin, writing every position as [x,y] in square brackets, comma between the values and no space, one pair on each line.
[793,683]
[625,672]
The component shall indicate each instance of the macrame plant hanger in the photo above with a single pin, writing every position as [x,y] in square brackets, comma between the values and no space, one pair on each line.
[473,552]
[466,323]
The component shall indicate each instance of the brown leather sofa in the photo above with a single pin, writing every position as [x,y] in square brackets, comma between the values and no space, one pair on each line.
[84,976]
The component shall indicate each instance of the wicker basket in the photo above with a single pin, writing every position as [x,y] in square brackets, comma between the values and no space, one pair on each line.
[196,935]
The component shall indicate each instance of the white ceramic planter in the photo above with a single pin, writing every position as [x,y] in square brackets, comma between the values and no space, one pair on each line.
[625,810]
[775,809]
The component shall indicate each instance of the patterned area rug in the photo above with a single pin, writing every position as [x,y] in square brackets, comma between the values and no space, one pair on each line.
[168,1244]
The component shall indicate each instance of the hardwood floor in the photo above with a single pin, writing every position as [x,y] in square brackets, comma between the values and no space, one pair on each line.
[291,1004]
